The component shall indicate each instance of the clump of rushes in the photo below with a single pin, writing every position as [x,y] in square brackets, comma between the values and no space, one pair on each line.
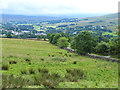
[5,66]
[48,84]
[60,52]
[31,71]
[70,55]
[48,80]
[65,54]
[29,63]
[28,54]
[52,55]
[27,60]
[59,59]
[15,57]
[75,75]
[75,62]
[43,70]
[23,72]
[11,56]
[10,81]
[42,59]
[13,62]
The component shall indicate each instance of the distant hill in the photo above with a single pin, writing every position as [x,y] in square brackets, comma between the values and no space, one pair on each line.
[111,20]
[28,19]
[24,18]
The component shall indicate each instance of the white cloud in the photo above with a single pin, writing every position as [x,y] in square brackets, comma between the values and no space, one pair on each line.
[59,6]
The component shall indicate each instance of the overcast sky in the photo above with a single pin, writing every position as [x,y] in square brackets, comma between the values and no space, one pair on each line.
[39,7]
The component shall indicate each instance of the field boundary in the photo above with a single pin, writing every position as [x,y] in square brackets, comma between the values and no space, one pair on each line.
[95,56]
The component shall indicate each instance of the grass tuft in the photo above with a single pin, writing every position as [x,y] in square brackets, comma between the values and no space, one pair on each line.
[5,66]
[62,59]
[42,59]
[31,71]
[13,62]
[74,75]
[75,62]
[23,72]
[27,60]
[43,70]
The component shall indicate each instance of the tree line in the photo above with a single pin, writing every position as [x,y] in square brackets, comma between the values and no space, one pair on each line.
[85,43]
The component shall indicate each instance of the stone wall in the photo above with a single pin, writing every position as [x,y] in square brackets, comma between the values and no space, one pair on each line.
[107,58]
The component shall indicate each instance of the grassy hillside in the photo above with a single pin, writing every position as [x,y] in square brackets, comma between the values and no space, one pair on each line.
[45,65]
[111,21]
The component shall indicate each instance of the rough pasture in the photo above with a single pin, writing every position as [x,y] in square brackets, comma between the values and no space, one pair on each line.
[42,65]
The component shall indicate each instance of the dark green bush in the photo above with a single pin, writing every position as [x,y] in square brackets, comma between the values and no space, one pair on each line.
[102,48]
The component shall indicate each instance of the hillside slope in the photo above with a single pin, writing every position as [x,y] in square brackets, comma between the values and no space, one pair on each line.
[111,21]
[64,69]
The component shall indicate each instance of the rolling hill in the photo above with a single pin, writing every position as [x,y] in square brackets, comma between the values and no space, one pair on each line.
[111,21]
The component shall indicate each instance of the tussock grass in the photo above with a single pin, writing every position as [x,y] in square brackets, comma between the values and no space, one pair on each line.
[13,62]
[32,71]
[75,62]
[5,66]
[27,60]
[72,70]
[48,80]
[42,59]
[75,75]
[43,70]
[59,59]
[10,81]
[23,71]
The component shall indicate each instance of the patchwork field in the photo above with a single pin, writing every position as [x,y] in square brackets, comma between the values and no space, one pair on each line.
[39,64]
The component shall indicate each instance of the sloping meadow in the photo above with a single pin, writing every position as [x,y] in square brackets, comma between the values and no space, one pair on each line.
[38,64]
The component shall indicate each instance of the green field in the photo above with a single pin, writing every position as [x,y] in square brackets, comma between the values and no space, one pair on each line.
[107,33]
[45,65]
